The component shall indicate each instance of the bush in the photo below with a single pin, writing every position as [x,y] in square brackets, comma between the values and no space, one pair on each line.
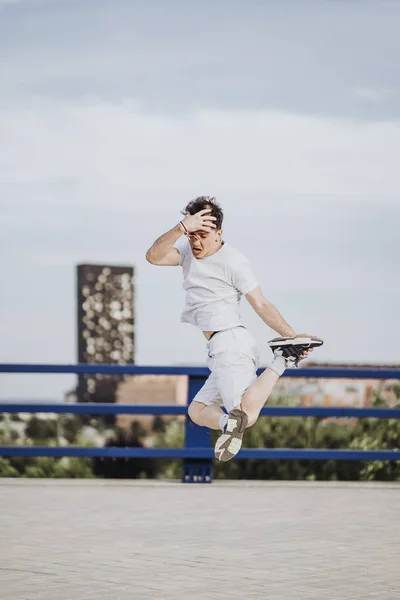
[74,468]
[43,466]
[268,432]
[299,432]
[6,469]
[125,468]
[40,430]
[70,426]
[172,436]
[378,434]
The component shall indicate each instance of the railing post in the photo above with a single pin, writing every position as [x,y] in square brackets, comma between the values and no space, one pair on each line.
[196,470]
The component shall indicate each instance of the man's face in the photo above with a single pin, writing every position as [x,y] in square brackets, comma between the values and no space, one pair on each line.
[204,243]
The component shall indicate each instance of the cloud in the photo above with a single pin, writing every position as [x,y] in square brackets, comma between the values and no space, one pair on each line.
[377,95]
[312,202]
[371,94]
[100,171]
[302,57]
[92,151]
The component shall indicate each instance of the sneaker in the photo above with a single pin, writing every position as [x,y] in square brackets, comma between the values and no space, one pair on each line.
[229,443]
[292,348]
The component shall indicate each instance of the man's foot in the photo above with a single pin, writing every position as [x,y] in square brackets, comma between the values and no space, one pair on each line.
[229,443]
[293,349]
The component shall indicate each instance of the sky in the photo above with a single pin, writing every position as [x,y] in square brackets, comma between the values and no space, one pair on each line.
[115,113]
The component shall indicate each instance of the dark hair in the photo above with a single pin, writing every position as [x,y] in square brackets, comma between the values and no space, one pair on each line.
[202,202]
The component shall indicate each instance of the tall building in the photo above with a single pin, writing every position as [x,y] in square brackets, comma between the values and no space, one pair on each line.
[105,326]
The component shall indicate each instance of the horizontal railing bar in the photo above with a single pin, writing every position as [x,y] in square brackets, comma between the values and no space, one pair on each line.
[331,411]
[202,372]
[96,409]
[174,409]
[204,453]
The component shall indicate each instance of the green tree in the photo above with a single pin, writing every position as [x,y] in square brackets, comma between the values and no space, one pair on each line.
[73,468]
[125,468]
[137,430]
[172,437]
[39,430]
[159,425]
[6,469]
[43,466]
[70,426]
[379,434]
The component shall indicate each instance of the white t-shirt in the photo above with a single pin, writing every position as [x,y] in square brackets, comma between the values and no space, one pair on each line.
[213,286]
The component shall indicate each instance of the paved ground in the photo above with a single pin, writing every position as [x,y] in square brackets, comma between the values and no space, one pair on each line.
[87,540]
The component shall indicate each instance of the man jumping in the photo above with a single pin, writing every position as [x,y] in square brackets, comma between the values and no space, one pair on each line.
[215,276]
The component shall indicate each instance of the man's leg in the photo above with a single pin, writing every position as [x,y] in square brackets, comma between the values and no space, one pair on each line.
[247,401]
[257,394]
[244,401]
[259,391]
[204,410]
[205,415]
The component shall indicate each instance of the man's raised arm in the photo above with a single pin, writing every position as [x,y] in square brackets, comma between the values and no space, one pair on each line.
[163,252]
[269,314]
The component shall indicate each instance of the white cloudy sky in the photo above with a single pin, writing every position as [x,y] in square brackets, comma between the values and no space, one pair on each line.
[115,113]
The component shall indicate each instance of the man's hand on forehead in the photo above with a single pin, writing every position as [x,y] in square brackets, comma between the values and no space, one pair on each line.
[201,221]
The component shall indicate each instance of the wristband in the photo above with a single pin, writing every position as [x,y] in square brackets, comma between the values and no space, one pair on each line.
[184,227]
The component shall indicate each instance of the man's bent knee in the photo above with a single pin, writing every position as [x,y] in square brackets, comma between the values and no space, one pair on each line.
[194,411]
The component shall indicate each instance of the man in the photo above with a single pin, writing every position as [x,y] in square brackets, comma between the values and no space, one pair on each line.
[215,276]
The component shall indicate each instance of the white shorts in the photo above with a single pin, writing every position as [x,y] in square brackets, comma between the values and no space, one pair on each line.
[233,361]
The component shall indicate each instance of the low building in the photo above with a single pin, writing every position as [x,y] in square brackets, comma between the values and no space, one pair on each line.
[150,389]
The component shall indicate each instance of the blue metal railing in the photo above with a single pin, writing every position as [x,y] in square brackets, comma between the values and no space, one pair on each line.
[197,454]
[203,372]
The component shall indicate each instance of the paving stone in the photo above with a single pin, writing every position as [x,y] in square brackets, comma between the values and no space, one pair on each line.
[108,540]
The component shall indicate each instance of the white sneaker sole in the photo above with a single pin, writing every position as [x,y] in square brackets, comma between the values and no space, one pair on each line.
[233,447]
[291,341]
[232,437]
